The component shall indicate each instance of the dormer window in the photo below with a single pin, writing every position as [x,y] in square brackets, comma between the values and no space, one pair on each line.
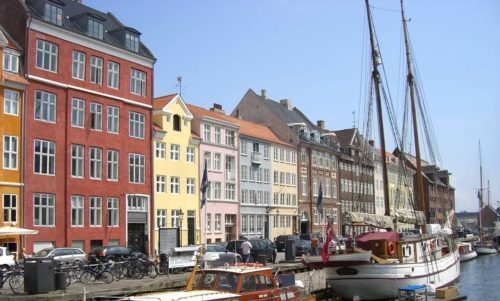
[95,29]
[10,61]
[132,42]
[53,14]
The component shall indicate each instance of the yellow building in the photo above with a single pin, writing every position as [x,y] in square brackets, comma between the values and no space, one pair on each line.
[176,178]
[285,216]
[12,87]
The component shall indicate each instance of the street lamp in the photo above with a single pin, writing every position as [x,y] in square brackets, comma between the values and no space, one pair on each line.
[181,216]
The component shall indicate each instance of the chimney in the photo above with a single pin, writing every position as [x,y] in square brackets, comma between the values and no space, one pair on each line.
[321,124]
[371,142]
[78,1]
[263,93]
[287,103]
[217,108]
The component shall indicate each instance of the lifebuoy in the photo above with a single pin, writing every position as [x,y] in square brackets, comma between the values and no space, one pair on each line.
[391,248]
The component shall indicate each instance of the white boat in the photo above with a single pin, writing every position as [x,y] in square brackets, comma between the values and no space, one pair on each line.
[466,251]
[485,248]
[202,295]
[357,257]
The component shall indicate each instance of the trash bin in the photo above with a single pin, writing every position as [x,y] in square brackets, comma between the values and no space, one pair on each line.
[60,280]
[290,250]
[38,275]
[261,258]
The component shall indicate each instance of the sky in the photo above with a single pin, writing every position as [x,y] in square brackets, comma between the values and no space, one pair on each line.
[314,52]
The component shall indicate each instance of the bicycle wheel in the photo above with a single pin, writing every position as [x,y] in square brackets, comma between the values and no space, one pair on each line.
[16,283]
[107,277]
[152,271]
[68,278]
[85,277]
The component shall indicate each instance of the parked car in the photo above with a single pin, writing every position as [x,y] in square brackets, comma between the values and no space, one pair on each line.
[114,253]
[280,241]
[224,256]
[262,249]
[6,258]
[63,255]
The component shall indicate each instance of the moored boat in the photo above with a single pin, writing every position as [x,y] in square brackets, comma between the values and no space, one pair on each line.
[485,248]
[350,257]
[202,295]
[466,251]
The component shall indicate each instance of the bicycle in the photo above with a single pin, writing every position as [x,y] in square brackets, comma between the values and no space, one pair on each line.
[95,272]
[15,276]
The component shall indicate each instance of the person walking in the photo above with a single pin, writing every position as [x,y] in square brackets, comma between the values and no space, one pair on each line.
[246,248]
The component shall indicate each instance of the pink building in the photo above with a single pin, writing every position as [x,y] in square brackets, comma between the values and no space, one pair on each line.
[220,151]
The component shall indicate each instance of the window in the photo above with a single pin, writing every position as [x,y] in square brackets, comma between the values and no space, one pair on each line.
[45,106]
[96,70]
[217,134]
[209,223]
[136,125]
[161,218]
[243,147]
[174,152]
[46,55]
[77,161]
[113,75]
[217,162]
[53,14]
[217,191]
[113,212]
[137,203]
[113,120]
[206,133]
[45,157]
[266,175]
[10,61]
[161,184]
[10,208]
[78,65]
[11,102]
[77,211]
[266,152]
[208,160]
[230,191]
[95,29]
[10,150]
[132,42]
[244,172]
[95,163]
[161,148]
[43,209]
[217,222]
[113,156]
[137,168]
[304,185]
[174,185]
[138,82]
[177,123]
[230,137]
[244,196]
[190,154]
[96,211]
[190,186]
[77,113]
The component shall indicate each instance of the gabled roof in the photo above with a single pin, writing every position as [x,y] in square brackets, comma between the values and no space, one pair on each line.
[346,136]
[288,116]
[72,10]
[163,103]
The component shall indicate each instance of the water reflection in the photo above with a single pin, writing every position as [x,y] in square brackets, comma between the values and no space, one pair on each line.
[479,278]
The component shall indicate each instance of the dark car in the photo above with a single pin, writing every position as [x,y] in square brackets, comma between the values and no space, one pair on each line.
[114,253]
[281,241]
[262,249]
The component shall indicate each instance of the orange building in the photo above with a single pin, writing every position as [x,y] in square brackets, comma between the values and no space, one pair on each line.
[12,87]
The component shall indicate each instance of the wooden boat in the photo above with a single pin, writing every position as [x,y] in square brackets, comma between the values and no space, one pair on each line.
[466,251]
[202,295]
[252,281]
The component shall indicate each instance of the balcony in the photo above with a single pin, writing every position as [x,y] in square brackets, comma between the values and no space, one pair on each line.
[256,158]
[230,176]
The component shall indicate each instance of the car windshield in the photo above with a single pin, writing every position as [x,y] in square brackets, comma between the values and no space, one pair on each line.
[43,253]
[215,248]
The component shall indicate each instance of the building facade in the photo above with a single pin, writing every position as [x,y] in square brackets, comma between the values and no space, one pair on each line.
[12,89]
[219,152]
[176,172]
[88,128]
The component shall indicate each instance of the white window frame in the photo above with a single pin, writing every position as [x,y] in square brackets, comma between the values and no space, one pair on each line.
[208,225]
[137,123]
[138,82]
[95,29]
[190,188]
[96,70]
[40,156]
[95,211]
[44,207]
[243,148]
[161,218]
[113,75]
[77,112]
[10,61]
[190,154]
[77,211]
[207,158]
[137,168]
[11,102]
[53,13]
[175,150]
[230,137]
[46,55]
[217,134]
[132,42]
[77,161]
[174,185]
[218,219]
[217,190]
[160,150]
[207,133]
[113,212]
[217,162]
[95,163]
[47,105]
[95,116]
[78,70]
[113,119]
[10,152]
[113,164]
[161,183]
[9,202]
[230,191]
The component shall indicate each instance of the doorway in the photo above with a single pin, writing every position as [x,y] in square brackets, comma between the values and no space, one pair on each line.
[191,231]
[136,237]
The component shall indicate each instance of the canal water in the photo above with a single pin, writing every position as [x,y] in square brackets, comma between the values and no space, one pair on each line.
[480,278]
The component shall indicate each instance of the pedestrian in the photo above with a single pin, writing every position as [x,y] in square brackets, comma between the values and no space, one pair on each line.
[314,246]
[246,248]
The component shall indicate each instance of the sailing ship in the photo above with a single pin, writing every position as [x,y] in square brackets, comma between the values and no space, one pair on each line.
[483,246]
[395,260]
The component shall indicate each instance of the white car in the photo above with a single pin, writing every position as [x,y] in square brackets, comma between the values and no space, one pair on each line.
[6,258]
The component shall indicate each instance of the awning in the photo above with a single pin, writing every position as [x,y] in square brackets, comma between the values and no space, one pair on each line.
[11,230]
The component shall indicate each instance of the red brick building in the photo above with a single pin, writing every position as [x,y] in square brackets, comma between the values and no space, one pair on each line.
[88,126]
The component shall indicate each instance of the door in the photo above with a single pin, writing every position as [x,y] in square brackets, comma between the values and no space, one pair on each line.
[191,230]
[136,237]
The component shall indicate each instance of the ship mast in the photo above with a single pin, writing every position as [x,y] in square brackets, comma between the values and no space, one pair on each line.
[480,194]
[376,82]
[411,84]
